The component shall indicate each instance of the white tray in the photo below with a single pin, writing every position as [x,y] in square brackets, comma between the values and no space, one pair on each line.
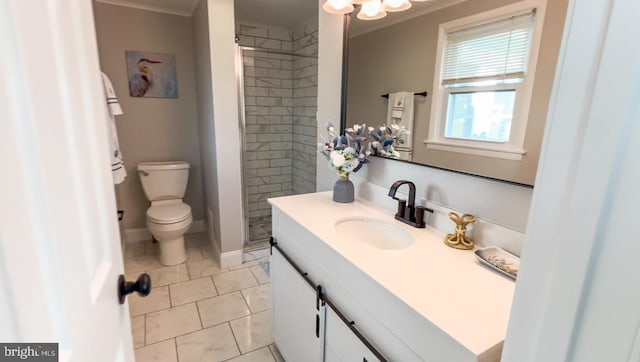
[500,260]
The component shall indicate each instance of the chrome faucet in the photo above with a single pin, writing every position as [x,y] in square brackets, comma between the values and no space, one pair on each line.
[407,212]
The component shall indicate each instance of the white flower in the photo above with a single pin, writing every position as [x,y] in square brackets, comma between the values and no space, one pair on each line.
[350,151]
[350,165]
[371,129]
[337,158]
[356,127]
[395,126]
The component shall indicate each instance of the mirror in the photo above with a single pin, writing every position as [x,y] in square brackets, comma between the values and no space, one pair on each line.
[398,53]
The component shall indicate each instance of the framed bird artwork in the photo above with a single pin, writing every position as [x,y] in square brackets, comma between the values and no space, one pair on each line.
[151,75]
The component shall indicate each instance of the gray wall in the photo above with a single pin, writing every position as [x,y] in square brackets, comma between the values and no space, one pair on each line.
[402,57]
[206,128]
[151,129]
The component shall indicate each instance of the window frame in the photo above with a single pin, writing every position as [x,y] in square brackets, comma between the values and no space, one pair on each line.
[514,148]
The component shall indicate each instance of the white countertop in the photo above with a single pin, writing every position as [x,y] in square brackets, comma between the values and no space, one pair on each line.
[449,287]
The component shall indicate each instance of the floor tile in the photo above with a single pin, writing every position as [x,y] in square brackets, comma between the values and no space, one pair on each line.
[276,353]
[172,322]
[253,332]
[159,352]
[143,263]
[203,268]
[196,239]
[194,253]
[168,275]
[208,253]
[260,355]
[158,299]
[210,344]
[137,329]
[260,274]
[133,249]
[222,309]
[151,248]
[234,280]
[245,265]
[191,291]
[258,298]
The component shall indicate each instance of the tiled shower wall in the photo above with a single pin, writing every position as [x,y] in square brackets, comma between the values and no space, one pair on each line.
[305,90]
[270,118]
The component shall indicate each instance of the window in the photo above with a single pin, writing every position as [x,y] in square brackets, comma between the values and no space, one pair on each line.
[485,73]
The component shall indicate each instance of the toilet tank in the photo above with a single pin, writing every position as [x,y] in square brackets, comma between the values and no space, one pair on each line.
[164,180]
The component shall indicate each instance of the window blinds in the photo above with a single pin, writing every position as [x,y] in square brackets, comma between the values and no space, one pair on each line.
[497,50]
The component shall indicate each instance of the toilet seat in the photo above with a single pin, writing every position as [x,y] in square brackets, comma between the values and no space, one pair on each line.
[169,213]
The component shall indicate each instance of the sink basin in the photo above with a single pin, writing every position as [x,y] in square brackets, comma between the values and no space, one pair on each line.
[376,233]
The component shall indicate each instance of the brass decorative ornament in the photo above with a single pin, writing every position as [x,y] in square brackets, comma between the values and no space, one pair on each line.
[459,239]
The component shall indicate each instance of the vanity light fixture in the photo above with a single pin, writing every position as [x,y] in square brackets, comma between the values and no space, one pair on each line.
[369,9]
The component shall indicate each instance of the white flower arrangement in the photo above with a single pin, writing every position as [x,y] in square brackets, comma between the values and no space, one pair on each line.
[348,153]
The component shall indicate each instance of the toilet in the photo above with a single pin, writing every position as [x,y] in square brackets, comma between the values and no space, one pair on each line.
[168,218]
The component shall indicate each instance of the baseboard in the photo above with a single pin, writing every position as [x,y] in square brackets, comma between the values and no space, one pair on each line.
[230,258]
[134,235]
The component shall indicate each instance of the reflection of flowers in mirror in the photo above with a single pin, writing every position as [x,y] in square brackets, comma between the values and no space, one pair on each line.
[349,152]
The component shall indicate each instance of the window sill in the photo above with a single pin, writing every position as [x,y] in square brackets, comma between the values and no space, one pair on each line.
[514,154]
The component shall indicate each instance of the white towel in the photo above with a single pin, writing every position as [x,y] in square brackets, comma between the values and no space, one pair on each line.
[119,173]
[400,112]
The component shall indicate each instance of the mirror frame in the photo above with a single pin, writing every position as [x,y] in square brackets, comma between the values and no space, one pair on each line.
[343,108]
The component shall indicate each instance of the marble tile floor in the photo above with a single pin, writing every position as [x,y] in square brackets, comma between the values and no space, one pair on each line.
[198,311]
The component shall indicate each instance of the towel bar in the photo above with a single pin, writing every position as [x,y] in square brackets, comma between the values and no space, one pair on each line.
[424,94]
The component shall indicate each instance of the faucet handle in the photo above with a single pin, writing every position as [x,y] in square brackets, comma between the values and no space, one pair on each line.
[402,205]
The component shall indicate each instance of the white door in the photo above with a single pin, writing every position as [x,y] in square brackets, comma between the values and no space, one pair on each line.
[60,254]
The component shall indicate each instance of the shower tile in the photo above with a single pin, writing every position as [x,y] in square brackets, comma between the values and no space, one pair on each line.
[268,82]
[268,43]
[281,34]
[244,40]
[268,63]
[253,30]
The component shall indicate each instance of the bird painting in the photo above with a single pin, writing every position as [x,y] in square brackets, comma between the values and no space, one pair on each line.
[151,75]
[140,82]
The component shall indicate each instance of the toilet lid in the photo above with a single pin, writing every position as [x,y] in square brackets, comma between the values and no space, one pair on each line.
[167,214]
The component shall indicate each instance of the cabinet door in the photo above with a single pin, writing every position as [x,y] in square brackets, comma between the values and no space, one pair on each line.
[297,324]
[341,344]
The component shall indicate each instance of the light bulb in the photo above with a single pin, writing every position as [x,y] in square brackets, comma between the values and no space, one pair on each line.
[338,4]
[371,8]
[396,5]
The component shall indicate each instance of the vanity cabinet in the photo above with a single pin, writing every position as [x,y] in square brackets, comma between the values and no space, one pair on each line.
[296,320]
[427,302]
[341,344]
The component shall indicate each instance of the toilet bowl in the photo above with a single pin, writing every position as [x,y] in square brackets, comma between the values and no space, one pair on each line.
[168,218]
[168,222]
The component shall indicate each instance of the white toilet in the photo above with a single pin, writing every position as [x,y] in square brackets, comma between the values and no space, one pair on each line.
[168,218]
